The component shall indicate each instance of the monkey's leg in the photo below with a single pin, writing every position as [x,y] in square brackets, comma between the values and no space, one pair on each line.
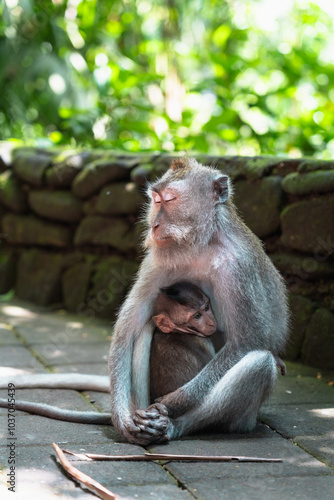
[234,402]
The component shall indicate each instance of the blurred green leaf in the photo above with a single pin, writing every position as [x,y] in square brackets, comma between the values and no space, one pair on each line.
[221,77]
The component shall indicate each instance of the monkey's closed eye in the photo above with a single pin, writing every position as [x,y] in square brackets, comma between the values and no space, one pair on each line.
[156,197]
[169,197]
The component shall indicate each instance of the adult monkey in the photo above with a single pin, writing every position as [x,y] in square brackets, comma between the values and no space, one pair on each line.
[195,234]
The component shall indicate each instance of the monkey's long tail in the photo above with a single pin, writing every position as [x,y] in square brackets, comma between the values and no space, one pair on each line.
[76,381]
[80,417]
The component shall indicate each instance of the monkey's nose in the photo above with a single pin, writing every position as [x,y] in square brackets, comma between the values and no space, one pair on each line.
[156,224]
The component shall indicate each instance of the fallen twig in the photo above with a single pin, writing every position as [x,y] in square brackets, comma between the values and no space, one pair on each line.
[85,480]
[168,457]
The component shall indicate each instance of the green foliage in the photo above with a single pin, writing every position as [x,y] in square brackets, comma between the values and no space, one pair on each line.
[231,77]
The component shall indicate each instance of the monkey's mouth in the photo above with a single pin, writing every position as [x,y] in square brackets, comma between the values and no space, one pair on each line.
[162,241]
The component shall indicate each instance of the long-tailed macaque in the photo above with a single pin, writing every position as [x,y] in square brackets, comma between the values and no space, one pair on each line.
[195,234]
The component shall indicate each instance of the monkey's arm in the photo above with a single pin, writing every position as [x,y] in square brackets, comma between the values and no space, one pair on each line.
[133,323]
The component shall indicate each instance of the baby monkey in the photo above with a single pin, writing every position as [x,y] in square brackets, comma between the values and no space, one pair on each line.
[180,346]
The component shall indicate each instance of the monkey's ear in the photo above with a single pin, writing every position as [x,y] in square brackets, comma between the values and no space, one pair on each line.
[221,189]
[163,323]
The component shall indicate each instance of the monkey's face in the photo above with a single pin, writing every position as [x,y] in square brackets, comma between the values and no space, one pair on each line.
[166,219]
[202,322]
[183,206]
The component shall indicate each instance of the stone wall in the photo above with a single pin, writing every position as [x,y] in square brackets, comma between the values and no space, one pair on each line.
[70,231]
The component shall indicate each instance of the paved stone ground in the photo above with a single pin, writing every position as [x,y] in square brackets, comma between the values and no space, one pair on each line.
[297,424]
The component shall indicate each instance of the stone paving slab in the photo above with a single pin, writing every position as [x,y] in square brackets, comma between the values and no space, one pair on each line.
[56,397]
[321,447]
[155,491]
[50,329]
[36,430]
[296,462]
[264,488]
[99,368]
[18,355]
[101,400]
[39,476]
[38,325]
[7,336]
[301,420]
[120,473]
[65,354]
[7,371]
[296,390]
[299,370]
[140,480]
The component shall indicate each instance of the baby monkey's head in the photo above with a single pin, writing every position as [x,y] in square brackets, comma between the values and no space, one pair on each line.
[183,307]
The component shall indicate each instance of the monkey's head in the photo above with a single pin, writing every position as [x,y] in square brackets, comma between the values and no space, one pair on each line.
[183,307]
[186,206]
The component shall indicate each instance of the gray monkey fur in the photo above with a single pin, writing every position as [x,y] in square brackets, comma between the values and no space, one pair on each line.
[210,246]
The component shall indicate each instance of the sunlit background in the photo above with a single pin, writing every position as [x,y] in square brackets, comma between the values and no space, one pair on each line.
[219,76]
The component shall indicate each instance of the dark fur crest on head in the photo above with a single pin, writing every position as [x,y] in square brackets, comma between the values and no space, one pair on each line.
[180,167]
[185,293]
[178,163]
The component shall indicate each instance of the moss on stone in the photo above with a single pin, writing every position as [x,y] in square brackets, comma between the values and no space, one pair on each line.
[308,225]
[56,205]
[28,230]
[12,195]
[7,271]
[120,198]
[75,283]
[319,181]
[31,167]
[307,267]
[98,173]
[318,347]
[65,168]
[302,310]
[111,279]
[98,230]
[259,204]
[311,164]
[39,276]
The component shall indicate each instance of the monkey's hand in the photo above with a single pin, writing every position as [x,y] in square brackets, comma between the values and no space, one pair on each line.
[280,363]
[153,423]
[128,429]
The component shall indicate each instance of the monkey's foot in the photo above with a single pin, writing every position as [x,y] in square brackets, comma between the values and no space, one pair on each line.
[152,422]
[128,429]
